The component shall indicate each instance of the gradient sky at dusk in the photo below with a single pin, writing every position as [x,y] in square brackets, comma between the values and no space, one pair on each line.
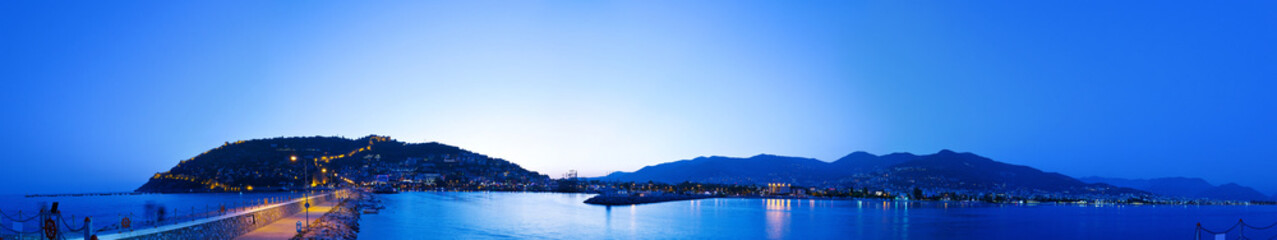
[100,95]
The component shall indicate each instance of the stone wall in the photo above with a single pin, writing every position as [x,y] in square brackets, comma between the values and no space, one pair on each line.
[232,227]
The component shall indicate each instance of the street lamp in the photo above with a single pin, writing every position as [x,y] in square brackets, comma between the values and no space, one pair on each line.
[309,181]
[305,192]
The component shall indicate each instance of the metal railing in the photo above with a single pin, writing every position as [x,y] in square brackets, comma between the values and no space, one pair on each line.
[1240,227]
[52,222]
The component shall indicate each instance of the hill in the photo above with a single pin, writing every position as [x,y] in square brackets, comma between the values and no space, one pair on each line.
[266,164]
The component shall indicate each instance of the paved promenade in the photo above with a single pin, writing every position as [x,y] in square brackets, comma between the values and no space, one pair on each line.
[148,231]
[287,227]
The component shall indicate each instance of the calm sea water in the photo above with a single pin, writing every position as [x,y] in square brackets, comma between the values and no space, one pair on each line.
[499,215]
[502,215]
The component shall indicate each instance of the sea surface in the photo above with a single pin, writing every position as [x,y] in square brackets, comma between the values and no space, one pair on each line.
[513,215]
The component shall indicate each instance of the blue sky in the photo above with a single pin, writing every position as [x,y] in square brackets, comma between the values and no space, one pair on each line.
[99,95]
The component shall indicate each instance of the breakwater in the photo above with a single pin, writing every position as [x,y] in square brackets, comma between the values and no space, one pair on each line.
[628,199]
[342,222]
[224,227]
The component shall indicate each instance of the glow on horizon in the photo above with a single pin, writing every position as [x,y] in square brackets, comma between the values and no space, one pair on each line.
[1079,88]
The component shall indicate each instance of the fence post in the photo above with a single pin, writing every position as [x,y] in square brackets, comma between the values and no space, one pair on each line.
[18,225]
[44,215]
[88,228]
[1241,231]
[1197,233]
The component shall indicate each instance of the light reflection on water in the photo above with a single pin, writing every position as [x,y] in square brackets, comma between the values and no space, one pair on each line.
[777,217]
[481,215]
[633,221]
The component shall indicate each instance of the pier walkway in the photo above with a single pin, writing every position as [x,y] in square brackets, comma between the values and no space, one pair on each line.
[286,228]
[172,227]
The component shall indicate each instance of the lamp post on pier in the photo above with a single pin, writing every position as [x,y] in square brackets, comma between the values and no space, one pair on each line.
[309,181]
[305,191]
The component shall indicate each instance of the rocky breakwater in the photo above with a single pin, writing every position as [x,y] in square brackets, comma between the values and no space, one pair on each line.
[641,198]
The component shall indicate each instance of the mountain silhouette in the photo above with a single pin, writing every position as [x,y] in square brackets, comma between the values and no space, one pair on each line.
[1186,188]
[942,170]
[859,162]
[970,171]
[1233,191]
[727,170]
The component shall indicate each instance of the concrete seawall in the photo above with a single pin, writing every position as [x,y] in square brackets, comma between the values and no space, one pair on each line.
[223,227]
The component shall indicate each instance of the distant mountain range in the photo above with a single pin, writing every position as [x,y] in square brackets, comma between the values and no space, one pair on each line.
[1186,188]
[945,170]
